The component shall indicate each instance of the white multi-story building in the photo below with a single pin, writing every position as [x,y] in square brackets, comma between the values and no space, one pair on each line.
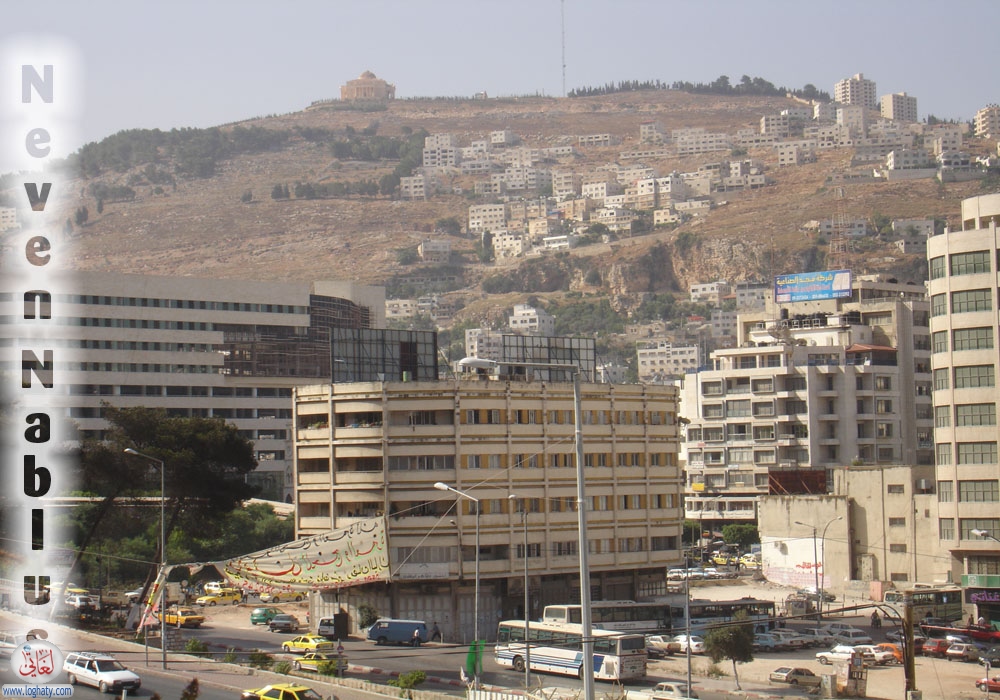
[987,122]
[487,217]
[899,107]
[844,381]
[375,450]
[417,187]
[228,349]
[441,150]
[752,296]
[8,218]
[854,118]
[908,159]
[709,292]
[964,337]
[435,250]
[528,319]
[778,125]
[856,90]
[660,361]
[503,138]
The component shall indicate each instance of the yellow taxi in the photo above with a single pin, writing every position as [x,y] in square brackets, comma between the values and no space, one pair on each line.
[312,660]
[281,691]
[226,595]
[307,642]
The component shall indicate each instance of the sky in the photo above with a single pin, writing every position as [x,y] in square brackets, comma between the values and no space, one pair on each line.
[199,64]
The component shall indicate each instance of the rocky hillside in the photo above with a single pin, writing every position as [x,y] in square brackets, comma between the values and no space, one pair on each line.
[221,221]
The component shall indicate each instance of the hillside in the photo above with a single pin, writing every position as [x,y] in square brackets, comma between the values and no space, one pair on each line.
[198,226]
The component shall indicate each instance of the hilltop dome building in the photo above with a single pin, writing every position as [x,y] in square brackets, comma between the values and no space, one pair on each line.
[368,88]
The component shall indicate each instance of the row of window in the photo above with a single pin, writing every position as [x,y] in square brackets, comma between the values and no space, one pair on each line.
[972,263]
[962,302]
[972,491]
[965,377]
[188,412]
[946,528]
[966,453]
[963,339]
[154,303]
[502,416]
[968,414]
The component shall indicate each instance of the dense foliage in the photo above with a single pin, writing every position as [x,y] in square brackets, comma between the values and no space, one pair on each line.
[719,86]
[733,642]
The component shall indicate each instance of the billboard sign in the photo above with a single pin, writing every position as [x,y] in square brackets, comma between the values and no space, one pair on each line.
[812,286]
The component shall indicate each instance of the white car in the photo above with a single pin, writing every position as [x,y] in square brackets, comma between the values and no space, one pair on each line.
[819,636]
[792,640]
[697,643]
[882,656]
[842,652]
[102,671]
[853,637]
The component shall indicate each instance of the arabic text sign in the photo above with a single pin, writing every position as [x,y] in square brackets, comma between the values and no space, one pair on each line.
[812,286]
[336,559]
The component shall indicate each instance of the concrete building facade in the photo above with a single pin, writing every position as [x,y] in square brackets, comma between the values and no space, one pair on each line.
[856,90]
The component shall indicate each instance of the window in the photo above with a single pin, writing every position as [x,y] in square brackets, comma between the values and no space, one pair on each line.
[473,461]
[976,414]
[967,525]
[883,406]
[937,267]
[739,408]
[974,376]
[763,409]
[897,548]
[941,379]
[982,565]
[795,406]
[977,453]
[970,263]
[939,305]
[711,410]
[763,457]
[883,430]
[973,338]
[883,383]
[895,488]
[946,528]
[740,456]
[942,453]
[984,491]
[939,341]
[899,577]
[711,389]
[972,300]
[897,522]
[763,432]
[945,493]
[942,416]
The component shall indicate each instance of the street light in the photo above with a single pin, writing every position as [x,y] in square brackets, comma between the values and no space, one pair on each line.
[441,486]
[163,548]
[527,600]
[984,534]
[816,562]
[478,363]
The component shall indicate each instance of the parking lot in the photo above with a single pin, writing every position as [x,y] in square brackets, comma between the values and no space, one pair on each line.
[938,679]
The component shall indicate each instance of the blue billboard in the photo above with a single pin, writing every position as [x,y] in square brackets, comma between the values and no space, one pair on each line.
[811,286]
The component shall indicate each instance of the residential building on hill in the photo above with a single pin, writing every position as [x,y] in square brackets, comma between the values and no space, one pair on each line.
[377,449]
[856,90]
[899,107]
[964,332]
[987,122]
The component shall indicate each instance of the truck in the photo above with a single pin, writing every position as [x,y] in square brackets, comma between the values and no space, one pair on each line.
[181,616]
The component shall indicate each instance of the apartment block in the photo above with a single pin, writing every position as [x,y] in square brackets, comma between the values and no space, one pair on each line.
[856,90]
[376,450]
[987,122]
[810,387]
[854,118]
[227,349]
[899,107]
[528,319]
[434,250]
[964,331]
[487,217]
[502,138]
[441,150]
[661,360]
[778,125]
[651,132]
[708,292]
[595,140]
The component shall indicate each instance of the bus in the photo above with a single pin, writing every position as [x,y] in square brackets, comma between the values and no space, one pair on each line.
[940,602]
[619,615]
[706,614]
[558,648]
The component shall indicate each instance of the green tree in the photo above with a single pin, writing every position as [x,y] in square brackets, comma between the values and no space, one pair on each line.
[246,197]
[407,682]
[733,641]
[81,215]
[451,226]
[742,535]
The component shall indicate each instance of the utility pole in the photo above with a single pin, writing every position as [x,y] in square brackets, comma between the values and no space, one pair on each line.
[909,666]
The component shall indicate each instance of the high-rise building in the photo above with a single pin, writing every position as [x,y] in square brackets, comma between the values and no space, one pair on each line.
[899,107]
[987,122]
[196,347]
[812,386]
[964,332]
[856,90]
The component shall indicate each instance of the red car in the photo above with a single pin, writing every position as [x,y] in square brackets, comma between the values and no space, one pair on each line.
[990,685]
[936,647]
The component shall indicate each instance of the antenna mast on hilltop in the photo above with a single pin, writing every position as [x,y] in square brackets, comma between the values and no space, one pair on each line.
[562,17]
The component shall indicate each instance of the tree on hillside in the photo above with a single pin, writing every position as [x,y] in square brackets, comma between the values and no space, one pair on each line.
[733,641]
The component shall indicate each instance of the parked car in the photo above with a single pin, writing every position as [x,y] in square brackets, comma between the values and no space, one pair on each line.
[936,647]
[284,623]
[819,636]
[896,637]
[894,649]
[226,595]
[794,676]
[842,652]
[307,642]
[750,561]
[881,656]
[853,637]
[261,616]
[664,646]
[989,685]
[102,671]
[281,691]
[278,596]
[962,652]
[810,593]
[672,690]
[792,639]
[991,655]
[721,559]
[834,627]
[768,642]
[696,643]
[81,602]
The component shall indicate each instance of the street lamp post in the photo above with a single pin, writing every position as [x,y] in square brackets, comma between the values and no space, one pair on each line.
[585,612]
[816,563]
[527,599]
[163,549]
[441,486]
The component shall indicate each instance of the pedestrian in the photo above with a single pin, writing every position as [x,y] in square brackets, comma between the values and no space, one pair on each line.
[971,621]
[416,637]
[435,633]
[981,621]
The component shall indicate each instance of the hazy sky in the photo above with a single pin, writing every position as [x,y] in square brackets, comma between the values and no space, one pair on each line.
[181,63]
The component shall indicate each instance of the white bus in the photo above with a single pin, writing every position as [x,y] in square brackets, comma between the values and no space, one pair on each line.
[621,615]
[558,648]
